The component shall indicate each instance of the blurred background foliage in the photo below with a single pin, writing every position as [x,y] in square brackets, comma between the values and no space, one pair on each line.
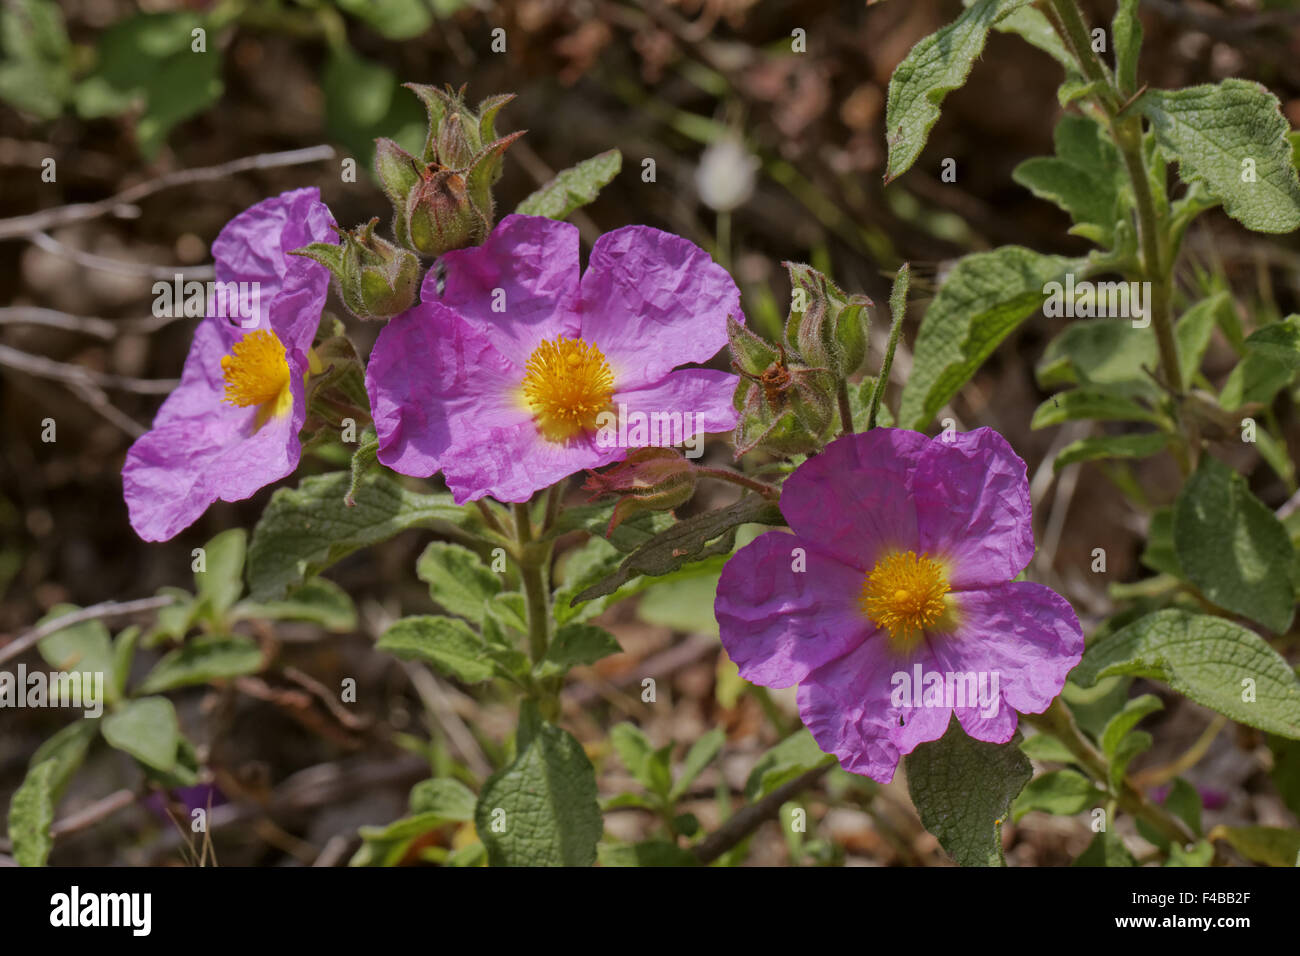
[114,93]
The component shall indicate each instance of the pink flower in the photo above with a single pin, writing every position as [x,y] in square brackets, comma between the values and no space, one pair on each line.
[231,426]
[512,376]
[892,605]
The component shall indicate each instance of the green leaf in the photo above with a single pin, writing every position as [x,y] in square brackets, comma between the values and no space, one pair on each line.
[1285,773]
[1141,445]
[1119,725]
[639,756]
[684,602]
[147,62]
[541,810]
[656,852]
[363,101]
[444,642]
[318,600]
[458,579]
[573,188]
[36,66]
[1233,138]
[1126,30]
[1045,747]
[698,757]
[202,660]
[577,645]
[1207,659]
[1233,548]
[1193,331]
[1095,404]
[221,582]
[1063,792]
[1198,856]
[67,749]
[448,798]
[146,729]
[1083,178]
[394,19]
[788,760]
[84,647]
[936,66]
[1256,378]
[963,789]
[1279,341]
[306,529]
[1106,849]
[1034,27]
[983,299]
[692,539]
[1107,354]
[1272,846]
[31,811]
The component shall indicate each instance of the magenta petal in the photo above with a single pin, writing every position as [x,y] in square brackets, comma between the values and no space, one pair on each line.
[652,301]
[1025,633]
[512,461]
[778,623]
[852,498]
[254,247]
[972,507]
[433,379]
[848,706]
[200,450]
[527,268]
[685,403]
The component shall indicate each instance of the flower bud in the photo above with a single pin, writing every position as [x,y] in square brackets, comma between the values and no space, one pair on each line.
[785,409]
[376,278]
[829,329]
[442,200]
[649,479]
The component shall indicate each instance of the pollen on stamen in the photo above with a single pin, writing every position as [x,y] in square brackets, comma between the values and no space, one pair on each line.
[904,594]
[256,371]
[567,385]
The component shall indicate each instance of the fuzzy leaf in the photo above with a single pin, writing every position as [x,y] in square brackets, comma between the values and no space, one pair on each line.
[1142,445]
[31,811]
[1233,138]
[1206,658]
[963,790]
[574,187]
[201,660]
[458,579]
[147,729]
[936,66]
[1233,548]
[984,297]
[447,643]
[306,529]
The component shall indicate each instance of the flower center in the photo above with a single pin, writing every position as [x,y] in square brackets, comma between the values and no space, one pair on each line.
[568,385]
[904,593]
[257,372]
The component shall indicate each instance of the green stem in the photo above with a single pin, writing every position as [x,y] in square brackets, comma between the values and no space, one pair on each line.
[532,571]
[1059,723]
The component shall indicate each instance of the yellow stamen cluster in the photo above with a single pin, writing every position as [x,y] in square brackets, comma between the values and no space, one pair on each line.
[567,385]
[256,371]
[904,594]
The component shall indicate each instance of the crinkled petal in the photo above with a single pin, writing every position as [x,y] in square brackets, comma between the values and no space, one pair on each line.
[201,450]
[512,462]
[254,247]
[652,301]
[533,261]
[778,622]
[852,498]
[434,380]
[973,509]
[686,403]
[1025,634]
[848,704]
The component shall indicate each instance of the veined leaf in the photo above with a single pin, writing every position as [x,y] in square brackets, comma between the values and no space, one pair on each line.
[573,188]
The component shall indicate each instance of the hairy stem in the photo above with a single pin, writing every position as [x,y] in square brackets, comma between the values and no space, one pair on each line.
[532,571]
[846,409]
[744,481]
